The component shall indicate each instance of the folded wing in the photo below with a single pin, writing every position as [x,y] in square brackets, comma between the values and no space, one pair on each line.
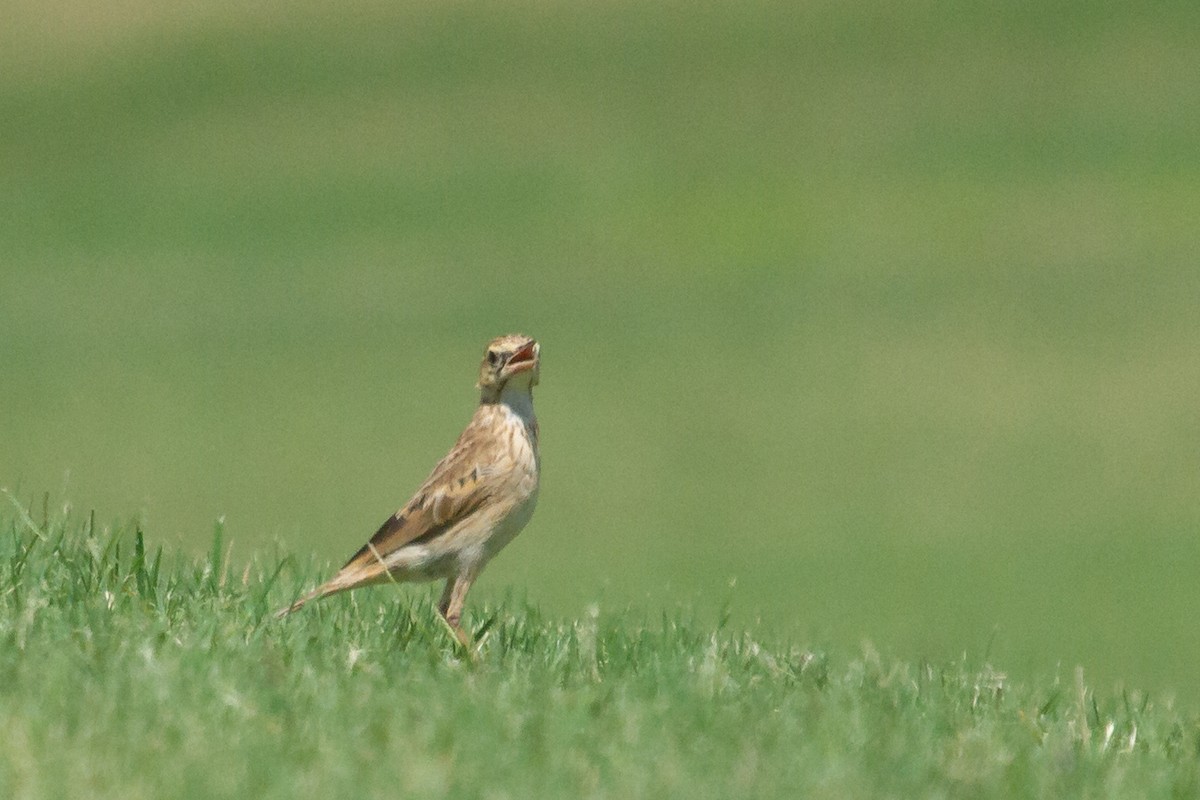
[452,493]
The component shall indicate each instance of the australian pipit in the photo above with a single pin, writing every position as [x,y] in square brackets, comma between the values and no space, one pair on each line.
[473,503]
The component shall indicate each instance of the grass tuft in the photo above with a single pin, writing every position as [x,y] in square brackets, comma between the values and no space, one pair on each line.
[127,672]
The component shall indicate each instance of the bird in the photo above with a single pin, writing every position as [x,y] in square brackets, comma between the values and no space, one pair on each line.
[474,501]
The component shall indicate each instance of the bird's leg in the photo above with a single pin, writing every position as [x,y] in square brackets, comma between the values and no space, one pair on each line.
[444,603]
[451,605]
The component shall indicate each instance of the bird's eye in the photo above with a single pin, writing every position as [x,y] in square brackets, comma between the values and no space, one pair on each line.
[493,358]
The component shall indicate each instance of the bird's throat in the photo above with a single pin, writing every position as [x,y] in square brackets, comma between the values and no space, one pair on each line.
[518,399]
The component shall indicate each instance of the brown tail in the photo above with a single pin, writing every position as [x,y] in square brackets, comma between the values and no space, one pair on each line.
[315,594]
[350,577]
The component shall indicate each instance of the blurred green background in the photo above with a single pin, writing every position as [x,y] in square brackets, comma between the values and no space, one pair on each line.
[888,311]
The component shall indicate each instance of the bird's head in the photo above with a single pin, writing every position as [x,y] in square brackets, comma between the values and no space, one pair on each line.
[509,360]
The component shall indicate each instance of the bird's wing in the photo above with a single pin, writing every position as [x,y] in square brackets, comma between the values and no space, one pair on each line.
[437,506]
[454,490]
[458,487]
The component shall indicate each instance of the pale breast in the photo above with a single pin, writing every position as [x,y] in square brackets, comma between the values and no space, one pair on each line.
[518,457]
[519,464]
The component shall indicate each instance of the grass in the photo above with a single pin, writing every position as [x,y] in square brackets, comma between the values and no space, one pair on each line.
[129,672]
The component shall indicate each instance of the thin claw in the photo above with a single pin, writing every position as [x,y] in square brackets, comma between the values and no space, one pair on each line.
[461,637]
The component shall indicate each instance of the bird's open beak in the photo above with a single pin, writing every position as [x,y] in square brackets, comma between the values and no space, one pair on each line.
[523,359]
